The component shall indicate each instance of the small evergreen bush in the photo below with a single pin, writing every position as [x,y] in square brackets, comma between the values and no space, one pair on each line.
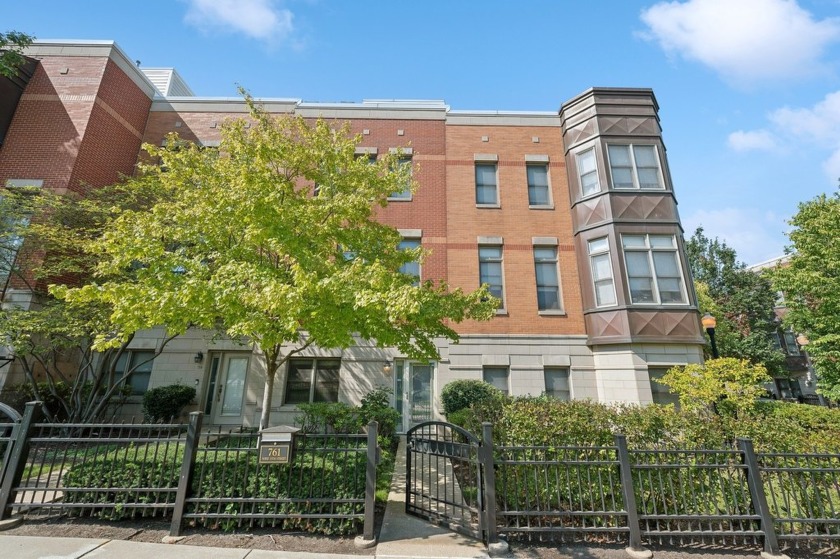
[461,394]
[165,402]
[376,406]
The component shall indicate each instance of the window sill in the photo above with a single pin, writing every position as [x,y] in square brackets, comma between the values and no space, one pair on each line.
[501,312]
[488,206]
[552,312]
[399,199]
[541,207]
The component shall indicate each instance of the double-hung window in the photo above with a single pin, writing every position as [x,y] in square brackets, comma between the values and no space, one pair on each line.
[538,191]
[139,364]
[404,163]
[654,274]
[490,271]
[602,273]
[588,172]
[486,186]
[548,280]
[411,268]
[312,380]
[635,166]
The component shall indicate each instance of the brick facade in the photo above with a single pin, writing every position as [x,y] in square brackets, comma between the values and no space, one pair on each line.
[83,116]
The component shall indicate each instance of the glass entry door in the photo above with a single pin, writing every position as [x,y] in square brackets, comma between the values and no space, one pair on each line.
[415,379]
[226,389]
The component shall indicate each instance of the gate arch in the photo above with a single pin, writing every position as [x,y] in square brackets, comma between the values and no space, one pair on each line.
[444,477]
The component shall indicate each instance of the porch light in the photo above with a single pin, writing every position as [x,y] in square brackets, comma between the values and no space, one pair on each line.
[386,368]
[802,340]
[199,357]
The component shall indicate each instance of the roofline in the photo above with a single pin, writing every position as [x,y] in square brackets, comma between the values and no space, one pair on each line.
[93,48]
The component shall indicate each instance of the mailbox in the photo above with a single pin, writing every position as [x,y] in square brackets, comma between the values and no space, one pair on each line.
[277,444]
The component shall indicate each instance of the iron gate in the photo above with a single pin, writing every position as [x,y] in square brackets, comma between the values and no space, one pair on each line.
[445,478]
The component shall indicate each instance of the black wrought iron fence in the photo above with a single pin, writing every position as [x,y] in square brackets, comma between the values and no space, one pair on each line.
[559,493]
[211,477]
[694,495]
[322,490]
[803,494]
[104,470]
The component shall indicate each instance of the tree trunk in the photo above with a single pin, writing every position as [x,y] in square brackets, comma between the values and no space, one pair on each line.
[267,393]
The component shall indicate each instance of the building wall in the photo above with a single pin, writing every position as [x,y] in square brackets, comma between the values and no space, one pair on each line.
[87,108]
[514,222]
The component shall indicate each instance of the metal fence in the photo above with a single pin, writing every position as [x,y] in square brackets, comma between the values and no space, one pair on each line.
[558,492]
[211,477]
[668,496]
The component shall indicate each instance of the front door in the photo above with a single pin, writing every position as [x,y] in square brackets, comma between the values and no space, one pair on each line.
[417,393]
[225,402]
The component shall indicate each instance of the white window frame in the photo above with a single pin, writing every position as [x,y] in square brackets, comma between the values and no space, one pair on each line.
[634,167]
[602,251]
[649,250]
[579,157]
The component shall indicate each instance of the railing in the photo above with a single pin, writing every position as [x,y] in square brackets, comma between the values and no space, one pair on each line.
[667,496]
[325,484]
[558,492]
[211,477]
[803,494]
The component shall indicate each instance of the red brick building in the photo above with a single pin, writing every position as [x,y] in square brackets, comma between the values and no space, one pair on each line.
[570,216]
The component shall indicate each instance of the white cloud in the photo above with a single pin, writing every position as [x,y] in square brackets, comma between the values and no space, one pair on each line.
[762,140]
[815,128]
[831,166]
[745,41]
[259,19]
[755,235]
[818,124]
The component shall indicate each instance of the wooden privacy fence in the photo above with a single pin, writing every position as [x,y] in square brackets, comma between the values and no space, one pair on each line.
[209,477]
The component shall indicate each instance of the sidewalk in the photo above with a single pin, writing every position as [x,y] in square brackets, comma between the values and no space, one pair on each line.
[29,547]
[405,536]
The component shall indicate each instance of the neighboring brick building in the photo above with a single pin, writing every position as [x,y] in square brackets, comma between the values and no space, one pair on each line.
[570,217]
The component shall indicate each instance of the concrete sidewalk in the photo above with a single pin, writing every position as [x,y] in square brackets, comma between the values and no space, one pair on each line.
[407,536]
[30,547]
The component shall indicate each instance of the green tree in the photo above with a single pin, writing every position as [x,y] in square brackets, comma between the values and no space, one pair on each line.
[12,44]
[238,242]
[51,339]
[811,284]
[726,385]
[742,302]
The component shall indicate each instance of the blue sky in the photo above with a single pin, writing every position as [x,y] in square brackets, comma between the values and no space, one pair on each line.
[749,90]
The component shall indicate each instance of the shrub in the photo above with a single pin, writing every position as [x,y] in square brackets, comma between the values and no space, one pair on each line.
[329,417]
[376,406]
[461,394]
[165,402]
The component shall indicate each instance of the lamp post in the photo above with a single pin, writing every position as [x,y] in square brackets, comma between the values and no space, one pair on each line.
[709,324]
